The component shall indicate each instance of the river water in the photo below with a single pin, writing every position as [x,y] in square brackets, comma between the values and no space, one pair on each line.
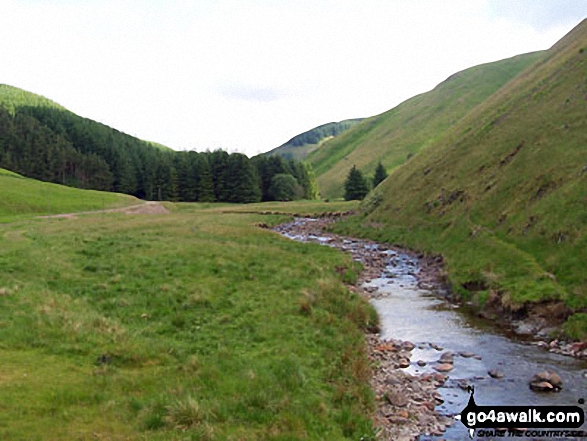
[423,317]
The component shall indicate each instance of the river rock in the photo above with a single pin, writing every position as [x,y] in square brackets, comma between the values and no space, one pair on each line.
[435,346]
[542,386]
[443,367]
[466,354]
[546,381]
[447,357]
[421,363]
[494,373]
[408,346]
[396,398]
[403,363]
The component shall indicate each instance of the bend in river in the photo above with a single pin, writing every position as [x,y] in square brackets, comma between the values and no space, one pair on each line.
[428,351]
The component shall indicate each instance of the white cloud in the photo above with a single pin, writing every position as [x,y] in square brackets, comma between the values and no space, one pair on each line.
[250,75]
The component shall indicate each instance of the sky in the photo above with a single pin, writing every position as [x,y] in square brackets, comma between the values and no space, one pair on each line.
[246,76]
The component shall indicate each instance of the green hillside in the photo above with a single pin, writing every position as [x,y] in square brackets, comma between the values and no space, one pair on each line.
[503,194]
[303,144]
[43,141]
[394,136]
[22,196]
[12,97]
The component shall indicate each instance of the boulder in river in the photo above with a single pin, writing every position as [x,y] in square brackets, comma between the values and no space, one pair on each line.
[546,381]
[494,373]
[408,345]
[443,367]
[447,357]
[404,363]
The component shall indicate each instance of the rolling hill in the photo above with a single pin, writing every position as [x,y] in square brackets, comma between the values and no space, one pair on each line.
[303,144]
[502,194]
[394,136]
[24,197]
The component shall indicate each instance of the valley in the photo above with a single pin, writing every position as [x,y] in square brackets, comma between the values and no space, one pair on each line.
[154,294]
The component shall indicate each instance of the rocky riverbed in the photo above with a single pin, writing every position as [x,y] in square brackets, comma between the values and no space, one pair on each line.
[427,355]
[405,402]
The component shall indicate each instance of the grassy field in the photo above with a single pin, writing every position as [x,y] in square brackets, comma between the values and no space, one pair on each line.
[394,136]
[195,325]
[22,197]
[502,195]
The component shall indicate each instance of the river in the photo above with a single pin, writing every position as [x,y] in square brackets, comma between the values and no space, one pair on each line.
[422,316]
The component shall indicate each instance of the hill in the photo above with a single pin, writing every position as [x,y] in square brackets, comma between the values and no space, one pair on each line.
[23,196]
[41,140]
[502,195]
[303,144]
[394,136]
[12,97]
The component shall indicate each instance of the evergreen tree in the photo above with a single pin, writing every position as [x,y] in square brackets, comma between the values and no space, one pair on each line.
[284,187]
[380,175]
[355,186]
[205,181]
[241,180]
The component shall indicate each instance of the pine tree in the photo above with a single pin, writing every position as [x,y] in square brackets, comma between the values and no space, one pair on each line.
[355,186]
[380,175]
[241,180]
[205,181]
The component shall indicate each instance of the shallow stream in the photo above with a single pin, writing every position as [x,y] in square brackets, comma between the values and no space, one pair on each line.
[424,318]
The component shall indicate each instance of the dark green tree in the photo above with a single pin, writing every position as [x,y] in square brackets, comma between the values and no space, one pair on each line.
[205,181]
[380,175]
[285,187]
[241,182]
[355,186]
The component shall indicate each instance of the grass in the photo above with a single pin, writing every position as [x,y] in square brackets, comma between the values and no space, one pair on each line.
[394,136]
[22,197]
[294,208]
[502,195]
[193,325]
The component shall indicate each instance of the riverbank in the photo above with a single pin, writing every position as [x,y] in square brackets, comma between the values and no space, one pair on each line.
[405,403]
[423,339]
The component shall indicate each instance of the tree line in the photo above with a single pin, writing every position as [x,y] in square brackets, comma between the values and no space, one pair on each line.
[55,145]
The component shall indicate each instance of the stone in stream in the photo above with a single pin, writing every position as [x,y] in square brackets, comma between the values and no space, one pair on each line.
[408,346]
[466,354]
[443,367]
[447,357]
[421,363]
[435,346]
[404,363]
[546,381]
[494,373]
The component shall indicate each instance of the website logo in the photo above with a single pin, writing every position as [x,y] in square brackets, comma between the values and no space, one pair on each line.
[510,419]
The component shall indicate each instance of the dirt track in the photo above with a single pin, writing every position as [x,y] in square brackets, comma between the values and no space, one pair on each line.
[149,207]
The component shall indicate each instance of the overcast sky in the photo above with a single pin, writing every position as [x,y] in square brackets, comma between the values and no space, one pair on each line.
[248,75]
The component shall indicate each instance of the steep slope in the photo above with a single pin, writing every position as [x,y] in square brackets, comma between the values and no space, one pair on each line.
[303,144]
[394,136]
[503,194]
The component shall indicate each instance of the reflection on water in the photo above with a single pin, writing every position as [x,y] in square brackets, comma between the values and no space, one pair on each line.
[410,313]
